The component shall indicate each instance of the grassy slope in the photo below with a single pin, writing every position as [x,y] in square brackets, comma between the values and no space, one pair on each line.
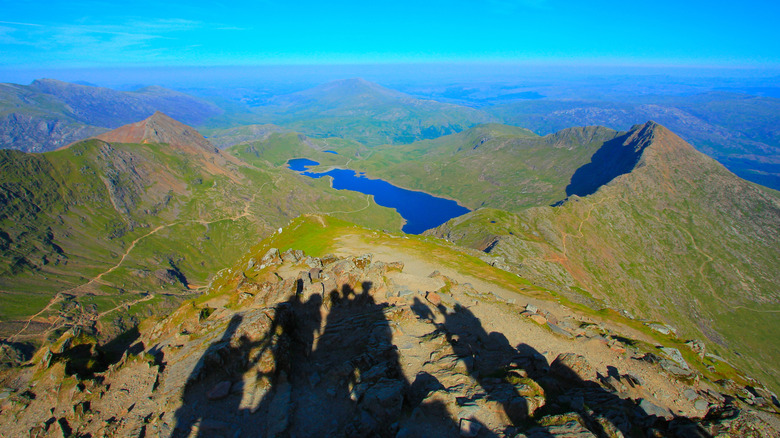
[680,239]
[61,227]
[489,165]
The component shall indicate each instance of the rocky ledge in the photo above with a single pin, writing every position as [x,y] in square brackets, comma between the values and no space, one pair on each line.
[290,345]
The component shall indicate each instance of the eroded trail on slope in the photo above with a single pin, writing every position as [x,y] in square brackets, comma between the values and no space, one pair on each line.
[420,266]
[98,278]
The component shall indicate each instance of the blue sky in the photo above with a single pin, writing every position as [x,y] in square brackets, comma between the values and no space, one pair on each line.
[74,34]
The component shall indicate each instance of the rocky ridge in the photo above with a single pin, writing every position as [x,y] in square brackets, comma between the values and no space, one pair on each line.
[290,345]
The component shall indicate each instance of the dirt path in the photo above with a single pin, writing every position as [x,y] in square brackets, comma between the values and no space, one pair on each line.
[506,319]
[368,204]
[133,244]
[416,264]
[354,245]
[53,301]
[579,228]
[132,303]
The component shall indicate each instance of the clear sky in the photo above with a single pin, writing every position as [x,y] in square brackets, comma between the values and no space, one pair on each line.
[42,34]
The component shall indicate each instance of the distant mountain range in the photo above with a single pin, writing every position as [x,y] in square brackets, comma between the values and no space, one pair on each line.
[367,112]
[49,114]
[736,129]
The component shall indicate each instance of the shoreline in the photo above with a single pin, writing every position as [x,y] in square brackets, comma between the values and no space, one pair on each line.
[357,172]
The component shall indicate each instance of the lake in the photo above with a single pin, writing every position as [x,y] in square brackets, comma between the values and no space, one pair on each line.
[421,210]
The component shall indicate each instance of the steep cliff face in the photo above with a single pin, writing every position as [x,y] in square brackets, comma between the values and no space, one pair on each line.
[31,133]
[287,344]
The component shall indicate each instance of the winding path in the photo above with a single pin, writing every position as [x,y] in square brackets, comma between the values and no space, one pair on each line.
[132,303]
[98,277]
[368,204]
[582,222]
[53,301]
[704,278]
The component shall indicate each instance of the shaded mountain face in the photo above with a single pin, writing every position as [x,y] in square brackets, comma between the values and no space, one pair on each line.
[48,114]
[678,239]
[614,158]
[738,130]
[151,206]
[360,110]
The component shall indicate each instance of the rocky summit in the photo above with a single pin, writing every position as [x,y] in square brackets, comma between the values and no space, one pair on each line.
[285,344]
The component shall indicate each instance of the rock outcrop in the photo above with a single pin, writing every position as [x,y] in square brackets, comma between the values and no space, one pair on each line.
[302,346]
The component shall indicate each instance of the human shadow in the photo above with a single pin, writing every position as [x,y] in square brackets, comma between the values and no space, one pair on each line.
[497,367]
[232,379]
[325,364]
[529,388]
[303,376]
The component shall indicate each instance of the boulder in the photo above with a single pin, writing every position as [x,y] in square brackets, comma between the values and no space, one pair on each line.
[271,257]
[469,428]
[651,409]
[697,347]
[384,400]
[662,329]
[539,319]
[675,355]
[572,369]
[219,391]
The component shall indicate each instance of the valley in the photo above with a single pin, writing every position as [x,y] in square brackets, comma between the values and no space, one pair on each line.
[589,280]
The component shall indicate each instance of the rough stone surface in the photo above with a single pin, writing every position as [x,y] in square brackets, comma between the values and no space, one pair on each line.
[219,391]
[355,352]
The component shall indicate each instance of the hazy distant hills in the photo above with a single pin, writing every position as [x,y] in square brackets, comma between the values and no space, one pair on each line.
[151,206]
[674,237]
[224,138]
[48,114]
[740,131]
[364,111]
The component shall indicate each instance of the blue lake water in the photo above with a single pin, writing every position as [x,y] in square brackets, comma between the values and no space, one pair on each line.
[331,152]
[421,210]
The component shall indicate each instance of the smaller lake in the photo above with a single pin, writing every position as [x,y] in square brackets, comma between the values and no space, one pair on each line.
[331,152]
[421,210]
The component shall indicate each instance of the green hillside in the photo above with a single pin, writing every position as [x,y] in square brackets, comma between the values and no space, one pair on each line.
[489,165]
[679,239]
[105,223]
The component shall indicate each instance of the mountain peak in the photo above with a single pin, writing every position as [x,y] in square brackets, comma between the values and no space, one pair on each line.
[350,88]
[648,144]
[160,128]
